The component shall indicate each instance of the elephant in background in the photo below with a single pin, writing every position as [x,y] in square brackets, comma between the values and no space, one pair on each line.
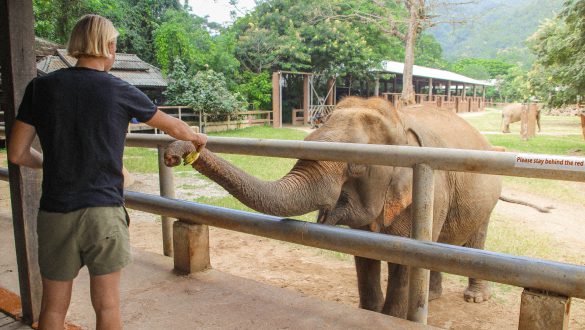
[371,197]
[513,113]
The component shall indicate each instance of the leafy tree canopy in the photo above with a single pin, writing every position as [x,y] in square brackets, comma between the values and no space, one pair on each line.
[559,45]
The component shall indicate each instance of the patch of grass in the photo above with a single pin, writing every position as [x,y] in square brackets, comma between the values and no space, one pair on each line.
[491,121]
[3,158]
[569,192]
[541,144]
[145,160]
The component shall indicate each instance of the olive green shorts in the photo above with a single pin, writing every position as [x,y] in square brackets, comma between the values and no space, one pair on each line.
[95,236]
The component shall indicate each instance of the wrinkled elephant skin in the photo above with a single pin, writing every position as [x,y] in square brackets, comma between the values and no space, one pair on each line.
[370,197]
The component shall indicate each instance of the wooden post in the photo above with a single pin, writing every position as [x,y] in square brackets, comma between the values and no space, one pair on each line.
[377,87]
[449,90]
[306,98]
[474,90]
[276,101]
[17,59]
[430,89]
[583,124]
[528,121]
[330,87]
[167,189]
[191,246]
[543,311]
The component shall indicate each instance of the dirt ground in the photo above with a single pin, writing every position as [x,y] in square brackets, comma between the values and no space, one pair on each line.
[330,276]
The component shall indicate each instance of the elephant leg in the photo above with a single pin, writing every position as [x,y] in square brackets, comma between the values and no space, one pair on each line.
[396,303]
[478,290]
[369,287]
[436,285]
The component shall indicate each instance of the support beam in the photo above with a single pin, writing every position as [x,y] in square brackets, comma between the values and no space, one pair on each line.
[167,189]
[276,100]
[17,59]
[306,97]
[541,310]
[331,97]
[430,89]
[422,230]
[449,90]
[377,87]
[474,90]
[191,246]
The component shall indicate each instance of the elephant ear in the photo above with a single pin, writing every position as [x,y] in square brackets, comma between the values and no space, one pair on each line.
[413,139]
[399,193]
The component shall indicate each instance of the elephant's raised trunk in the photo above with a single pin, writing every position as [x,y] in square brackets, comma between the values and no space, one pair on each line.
[304,189]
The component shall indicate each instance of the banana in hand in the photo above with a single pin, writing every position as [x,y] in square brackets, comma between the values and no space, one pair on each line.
[191,158]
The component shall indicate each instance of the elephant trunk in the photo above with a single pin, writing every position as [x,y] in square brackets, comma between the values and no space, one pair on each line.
[309,186]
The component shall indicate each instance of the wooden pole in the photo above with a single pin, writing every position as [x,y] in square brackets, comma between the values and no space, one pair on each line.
[543,311]
[17,59]
[449,90]
[430,89]
[377,87]
[276,101]
[330,87]
[306,98]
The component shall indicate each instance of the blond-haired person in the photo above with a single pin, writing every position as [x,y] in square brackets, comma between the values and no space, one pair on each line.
[81,115]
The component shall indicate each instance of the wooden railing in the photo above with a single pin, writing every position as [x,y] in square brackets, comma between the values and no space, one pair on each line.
[207,122]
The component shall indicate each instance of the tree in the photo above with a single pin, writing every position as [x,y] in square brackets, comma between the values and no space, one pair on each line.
[206,91]
[184,36]
[559,45]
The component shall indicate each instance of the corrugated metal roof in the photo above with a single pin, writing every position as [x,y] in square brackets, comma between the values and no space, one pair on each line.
[421,71]
[127,67]
[123,61]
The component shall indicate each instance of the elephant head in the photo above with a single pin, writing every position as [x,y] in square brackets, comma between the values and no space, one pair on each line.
[345,194]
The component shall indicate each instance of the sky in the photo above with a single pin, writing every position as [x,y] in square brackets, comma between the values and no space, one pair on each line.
[218,10]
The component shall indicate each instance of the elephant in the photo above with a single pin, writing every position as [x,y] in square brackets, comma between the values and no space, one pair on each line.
[372,197]
[512,113]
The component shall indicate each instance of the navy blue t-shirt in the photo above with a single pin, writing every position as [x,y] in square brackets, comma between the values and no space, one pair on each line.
[81,116]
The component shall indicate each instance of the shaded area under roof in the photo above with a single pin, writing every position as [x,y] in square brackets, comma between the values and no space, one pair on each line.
[127,67]
[421,71]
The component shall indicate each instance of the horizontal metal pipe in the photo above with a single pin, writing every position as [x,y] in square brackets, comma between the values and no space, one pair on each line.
[524,272]
[3,174]
[488,162]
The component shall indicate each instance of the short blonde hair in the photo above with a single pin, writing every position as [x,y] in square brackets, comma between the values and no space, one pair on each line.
[91,36]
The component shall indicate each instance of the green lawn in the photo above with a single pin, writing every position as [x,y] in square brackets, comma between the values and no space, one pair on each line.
[566,139]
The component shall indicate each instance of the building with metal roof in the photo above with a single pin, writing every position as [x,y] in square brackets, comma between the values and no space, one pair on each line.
[127,67]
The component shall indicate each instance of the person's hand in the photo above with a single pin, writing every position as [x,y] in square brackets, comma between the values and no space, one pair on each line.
[200,141]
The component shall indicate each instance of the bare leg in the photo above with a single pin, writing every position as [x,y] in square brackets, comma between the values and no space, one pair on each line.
[478,290]
[105,298]
[54,304]
[397,292]
[368,276]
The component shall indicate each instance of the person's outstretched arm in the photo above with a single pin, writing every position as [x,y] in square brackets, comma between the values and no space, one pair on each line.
[177,129]
[19,146]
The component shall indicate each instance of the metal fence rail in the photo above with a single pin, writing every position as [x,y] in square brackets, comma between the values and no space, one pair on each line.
[559,278]
[487,162]
[498,267]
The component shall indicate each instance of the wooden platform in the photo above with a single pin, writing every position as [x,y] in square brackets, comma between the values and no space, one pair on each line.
[8,323]
[153,297]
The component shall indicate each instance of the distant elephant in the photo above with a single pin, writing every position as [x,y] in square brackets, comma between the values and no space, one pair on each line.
[372,197]
[513,113]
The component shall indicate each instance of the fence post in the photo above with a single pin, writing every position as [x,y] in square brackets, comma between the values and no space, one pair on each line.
[541,310]
[422,229]
[167,189]
[191,245]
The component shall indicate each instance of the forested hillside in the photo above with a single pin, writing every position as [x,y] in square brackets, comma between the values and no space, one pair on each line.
[494,29]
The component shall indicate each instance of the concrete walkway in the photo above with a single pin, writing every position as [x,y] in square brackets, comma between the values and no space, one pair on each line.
[153,297]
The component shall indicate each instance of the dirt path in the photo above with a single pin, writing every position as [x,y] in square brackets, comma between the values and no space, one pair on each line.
[331,276]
